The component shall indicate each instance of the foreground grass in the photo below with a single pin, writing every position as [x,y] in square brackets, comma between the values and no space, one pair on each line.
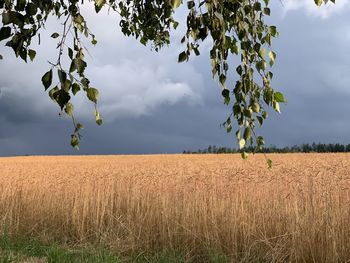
[25,250]
[31,251]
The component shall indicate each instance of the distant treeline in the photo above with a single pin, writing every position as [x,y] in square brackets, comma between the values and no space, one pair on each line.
[304,148]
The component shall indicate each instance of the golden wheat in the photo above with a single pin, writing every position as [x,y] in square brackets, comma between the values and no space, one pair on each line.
[297,212]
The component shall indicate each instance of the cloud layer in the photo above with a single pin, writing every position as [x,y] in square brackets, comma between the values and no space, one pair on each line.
[325,11]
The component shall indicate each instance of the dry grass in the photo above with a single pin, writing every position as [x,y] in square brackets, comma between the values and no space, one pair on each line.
[297,212]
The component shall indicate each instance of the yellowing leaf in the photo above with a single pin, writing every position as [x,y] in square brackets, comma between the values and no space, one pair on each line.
[272,56]
[262,52]
[100,3]
[69,109]
[176,3]
[276,106]
[92,94]
[241,143]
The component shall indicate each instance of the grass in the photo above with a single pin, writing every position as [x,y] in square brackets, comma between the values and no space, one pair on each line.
[177,208]
[26,250]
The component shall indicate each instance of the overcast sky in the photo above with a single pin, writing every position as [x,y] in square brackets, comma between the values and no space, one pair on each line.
[152,104]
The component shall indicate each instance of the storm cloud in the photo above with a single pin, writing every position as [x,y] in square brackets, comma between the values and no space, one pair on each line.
[152,104]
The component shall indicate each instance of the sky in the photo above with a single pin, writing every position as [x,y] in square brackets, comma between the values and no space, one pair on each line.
[152,104]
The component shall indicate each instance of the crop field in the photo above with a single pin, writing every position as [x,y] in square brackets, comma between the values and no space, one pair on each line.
[196,205]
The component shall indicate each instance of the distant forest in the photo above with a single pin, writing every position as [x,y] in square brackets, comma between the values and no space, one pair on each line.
[304,148]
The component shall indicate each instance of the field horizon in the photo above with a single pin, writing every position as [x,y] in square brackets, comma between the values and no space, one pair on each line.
[171,154]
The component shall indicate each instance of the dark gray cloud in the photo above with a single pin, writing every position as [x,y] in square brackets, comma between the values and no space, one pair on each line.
[151,104]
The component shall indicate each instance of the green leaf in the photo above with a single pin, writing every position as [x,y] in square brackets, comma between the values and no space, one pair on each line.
[318,2]
[74,141]
[62,76]
[267,11]
[99,122]
[67,85]
[75,88]
[196,51]
[257,6]
[70,53]
[20,5]
[78,127]
[278,97]
[175,24]
[235,49]
[256,107]
[247,113]
[222,79]
[31,54]
[265,115]
[92,94]
[268,95]
[190,4]
[85,82]
[79,19]
[61,97]
[226,94]
[52,92]
[182,57]
[55,35]
[23,54]
[5,32]
[244,155]
[47,79]
[269,163]
[239,70]
[273,31]
[31,9]
[238,134]
[260,141]
[94,41]
[80,65]
[260,65]
[72,67]
[143,41]
[13,17]
[247,133]
[6,18]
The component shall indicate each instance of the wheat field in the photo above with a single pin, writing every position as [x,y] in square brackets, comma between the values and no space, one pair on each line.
[298,211]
